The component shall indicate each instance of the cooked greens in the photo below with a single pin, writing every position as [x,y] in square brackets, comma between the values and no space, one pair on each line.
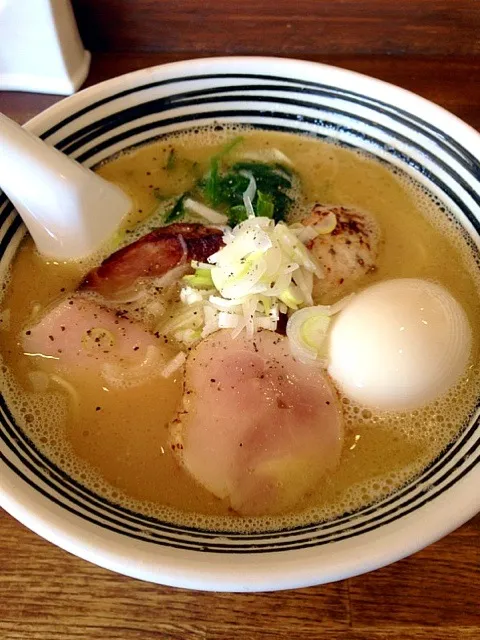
[224,186]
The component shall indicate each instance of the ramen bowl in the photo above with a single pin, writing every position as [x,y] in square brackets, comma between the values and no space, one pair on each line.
[399,128]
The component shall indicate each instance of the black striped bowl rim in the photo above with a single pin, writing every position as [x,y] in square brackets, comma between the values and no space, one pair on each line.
[289,95]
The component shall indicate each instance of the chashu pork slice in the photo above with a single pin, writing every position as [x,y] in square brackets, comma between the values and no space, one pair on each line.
[79,336]
[256,427]
[153,255]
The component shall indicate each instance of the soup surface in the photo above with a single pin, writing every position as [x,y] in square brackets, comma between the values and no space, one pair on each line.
[116,441]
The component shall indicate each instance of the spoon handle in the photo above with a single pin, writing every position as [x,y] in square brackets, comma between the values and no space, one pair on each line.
[69,210]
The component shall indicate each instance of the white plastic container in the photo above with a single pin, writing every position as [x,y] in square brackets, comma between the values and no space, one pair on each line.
[40,47]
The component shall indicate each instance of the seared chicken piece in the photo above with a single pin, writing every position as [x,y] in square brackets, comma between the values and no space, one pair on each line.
[346,254]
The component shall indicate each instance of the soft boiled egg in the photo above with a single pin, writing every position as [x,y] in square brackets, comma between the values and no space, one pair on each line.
[399,344]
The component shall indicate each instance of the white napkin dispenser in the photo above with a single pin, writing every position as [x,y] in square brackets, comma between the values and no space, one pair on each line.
[40,47]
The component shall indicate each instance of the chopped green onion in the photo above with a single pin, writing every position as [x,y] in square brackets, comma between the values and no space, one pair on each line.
[201,279]
[307,331]
[291,297]
[313,332]
[326,224]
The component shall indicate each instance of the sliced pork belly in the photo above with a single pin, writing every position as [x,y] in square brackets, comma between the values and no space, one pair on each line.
[348,253]
[153,255]
[79,336]
[256,426]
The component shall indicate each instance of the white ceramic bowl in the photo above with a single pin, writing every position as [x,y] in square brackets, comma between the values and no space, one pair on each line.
[396,126]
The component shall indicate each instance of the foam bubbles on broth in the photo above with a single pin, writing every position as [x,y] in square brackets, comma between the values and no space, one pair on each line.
[382,451]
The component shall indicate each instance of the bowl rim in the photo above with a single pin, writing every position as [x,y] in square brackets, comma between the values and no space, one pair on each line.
[265,571]
[287,67]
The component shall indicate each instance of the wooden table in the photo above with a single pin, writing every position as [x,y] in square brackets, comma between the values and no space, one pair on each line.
[47,594]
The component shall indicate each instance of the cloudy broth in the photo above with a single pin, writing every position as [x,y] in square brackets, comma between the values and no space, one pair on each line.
[116,443]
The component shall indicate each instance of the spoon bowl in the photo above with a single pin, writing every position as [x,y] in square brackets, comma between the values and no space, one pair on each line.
[69,210]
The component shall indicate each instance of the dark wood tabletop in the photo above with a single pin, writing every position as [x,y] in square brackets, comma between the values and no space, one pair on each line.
[48,594]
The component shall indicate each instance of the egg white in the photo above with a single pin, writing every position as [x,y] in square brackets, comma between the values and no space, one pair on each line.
[399,344]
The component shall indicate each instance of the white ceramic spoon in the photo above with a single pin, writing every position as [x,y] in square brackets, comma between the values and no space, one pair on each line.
[69,210]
